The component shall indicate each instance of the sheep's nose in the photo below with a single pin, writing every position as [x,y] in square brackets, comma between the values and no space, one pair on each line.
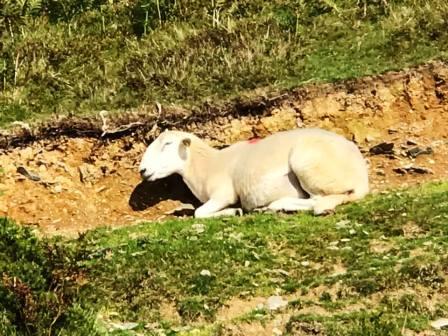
[142,172]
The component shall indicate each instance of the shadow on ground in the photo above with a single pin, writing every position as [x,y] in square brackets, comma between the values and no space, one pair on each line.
[147,194]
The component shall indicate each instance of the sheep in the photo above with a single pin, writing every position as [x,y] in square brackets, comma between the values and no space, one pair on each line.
[299,169]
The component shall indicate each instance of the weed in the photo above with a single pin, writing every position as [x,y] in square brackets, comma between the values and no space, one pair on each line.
[83,56]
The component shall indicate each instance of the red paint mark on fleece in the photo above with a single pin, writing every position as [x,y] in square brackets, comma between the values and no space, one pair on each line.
[254,140]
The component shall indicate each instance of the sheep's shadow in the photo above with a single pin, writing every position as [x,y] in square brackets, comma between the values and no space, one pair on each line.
[147,194]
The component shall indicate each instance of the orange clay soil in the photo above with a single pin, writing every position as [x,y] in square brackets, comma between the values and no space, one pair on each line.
[85,183]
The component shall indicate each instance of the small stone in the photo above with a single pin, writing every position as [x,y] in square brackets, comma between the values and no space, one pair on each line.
[198,228]
[276,302]
[277,332]
[206,273]
[382,148]
[380,172]
[400,171]
[88,173]
[391,156]
[57,189]
[27,154]
[416,151]
[342,224]
[100,189]
[420,170]
[440,323]
[412,169]
[124,326]
[28,174]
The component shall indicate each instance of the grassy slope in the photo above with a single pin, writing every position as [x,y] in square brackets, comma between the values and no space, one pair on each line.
[85,55]
[384,245]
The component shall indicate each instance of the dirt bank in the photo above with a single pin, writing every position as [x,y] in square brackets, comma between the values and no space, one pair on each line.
[69,175]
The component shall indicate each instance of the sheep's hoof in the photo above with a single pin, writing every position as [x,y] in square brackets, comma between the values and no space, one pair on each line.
[266,210]
[324,212]
[238,211]
[261,210]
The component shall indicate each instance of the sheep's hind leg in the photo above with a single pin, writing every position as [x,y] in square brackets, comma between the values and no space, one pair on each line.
[327,204]
[291,204]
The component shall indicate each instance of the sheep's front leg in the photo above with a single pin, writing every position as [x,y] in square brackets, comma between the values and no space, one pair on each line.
[214,208]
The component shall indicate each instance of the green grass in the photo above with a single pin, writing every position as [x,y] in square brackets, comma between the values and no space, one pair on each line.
[83,286]
[83,56]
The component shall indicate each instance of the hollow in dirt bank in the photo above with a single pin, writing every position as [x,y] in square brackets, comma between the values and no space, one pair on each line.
[67,180]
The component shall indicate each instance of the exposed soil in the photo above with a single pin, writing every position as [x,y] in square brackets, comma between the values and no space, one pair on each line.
[83,172]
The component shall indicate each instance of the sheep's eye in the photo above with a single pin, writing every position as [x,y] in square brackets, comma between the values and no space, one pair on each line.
[166,144]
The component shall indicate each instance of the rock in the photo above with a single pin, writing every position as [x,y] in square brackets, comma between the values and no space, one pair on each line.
[276,332]
[57,189]
[124,326]
[440,323]
[412,170]
[392,131]
[380,172]
[416,151]
[342,223]
[276,302]
[27,154]
[83,174]
[400,171]
[305,328]
[28,174]
[100,189]
[205,272]
[420,170]
[88,173]
[360,132]
[198,228]
[42,168]
[382,148]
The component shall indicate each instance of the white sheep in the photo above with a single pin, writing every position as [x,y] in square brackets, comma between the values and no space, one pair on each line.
[301,169]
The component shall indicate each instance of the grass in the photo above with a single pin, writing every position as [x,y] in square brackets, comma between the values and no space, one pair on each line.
[80,57]
[377,267]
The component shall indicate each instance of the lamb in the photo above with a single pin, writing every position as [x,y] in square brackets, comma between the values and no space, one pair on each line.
[299,169]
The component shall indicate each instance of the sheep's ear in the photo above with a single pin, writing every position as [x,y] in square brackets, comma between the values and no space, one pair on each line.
[186,142]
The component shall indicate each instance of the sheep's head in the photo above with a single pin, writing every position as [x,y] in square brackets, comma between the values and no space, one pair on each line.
[165,156]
